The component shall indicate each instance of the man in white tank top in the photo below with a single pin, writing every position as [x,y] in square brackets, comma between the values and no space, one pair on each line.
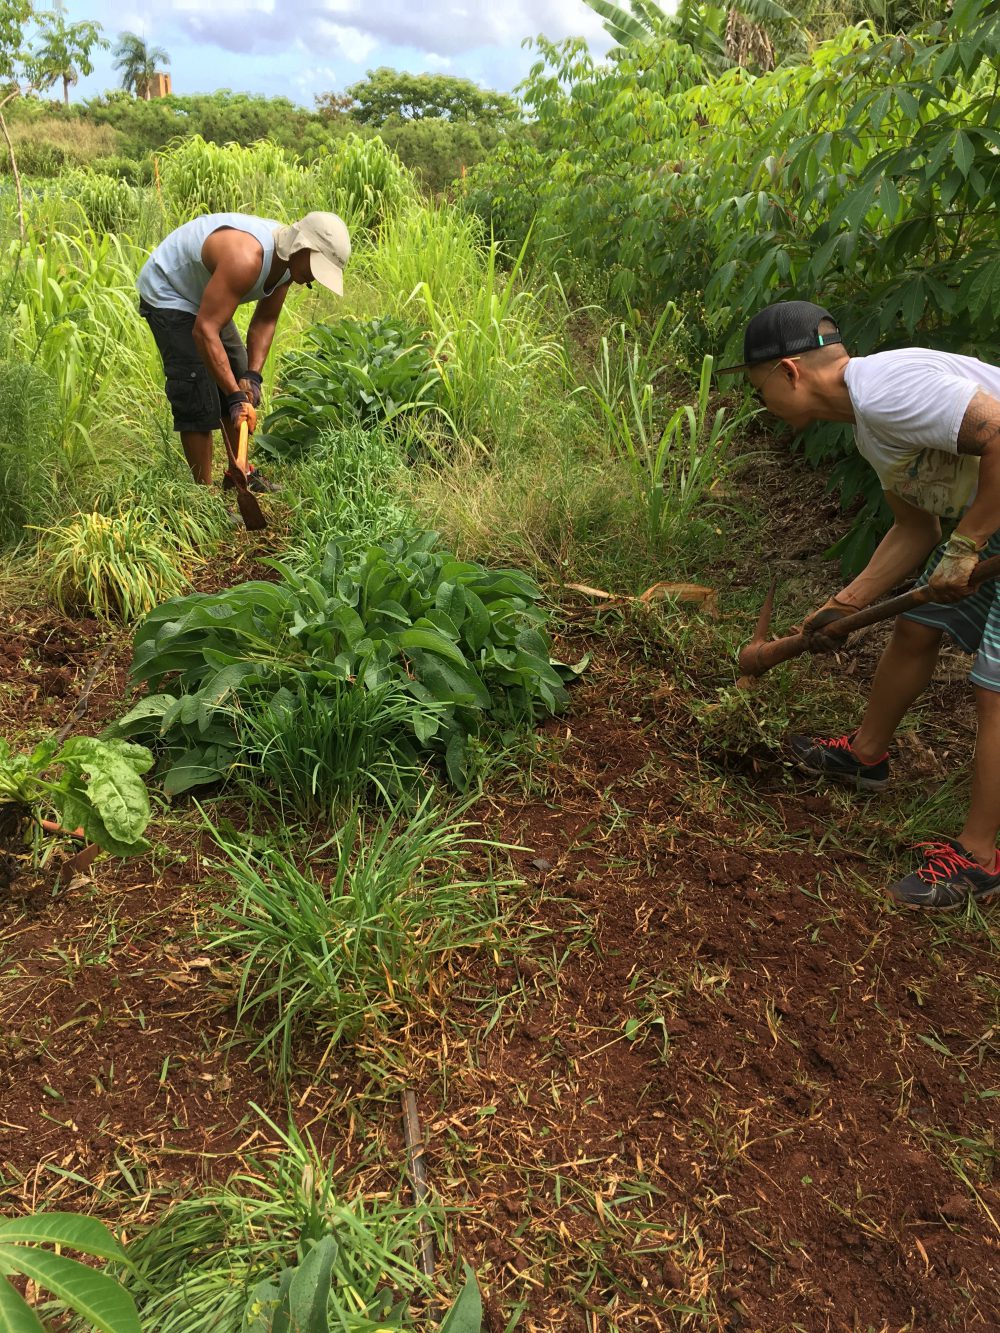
[189,289]
[929,424]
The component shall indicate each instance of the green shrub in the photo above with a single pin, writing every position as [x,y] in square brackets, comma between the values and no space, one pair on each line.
[88,783]
[46,143]
[74,314]
[362,179]
[193,517]
[377,372]
[131,170]
[466,644]
[199,1265]
[348,491]
[315,748]
[108,203]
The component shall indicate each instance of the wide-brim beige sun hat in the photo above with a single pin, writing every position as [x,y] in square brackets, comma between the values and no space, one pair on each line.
[328,241]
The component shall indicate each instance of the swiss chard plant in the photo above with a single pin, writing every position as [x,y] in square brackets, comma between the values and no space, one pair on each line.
[449,645]
[85,783]
[373,373]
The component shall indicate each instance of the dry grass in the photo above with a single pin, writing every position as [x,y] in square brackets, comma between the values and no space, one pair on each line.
[76,141]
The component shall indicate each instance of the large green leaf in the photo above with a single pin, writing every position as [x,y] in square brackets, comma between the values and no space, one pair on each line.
[93,1295]
[74,1230]
[197,767]
[16,1316]
[309,1293]
[450,682]
[426,635]
[119,795]
[466,1315]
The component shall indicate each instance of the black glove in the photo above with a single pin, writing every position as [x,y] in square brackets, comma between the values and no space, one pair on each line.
[252,384]
[241,409]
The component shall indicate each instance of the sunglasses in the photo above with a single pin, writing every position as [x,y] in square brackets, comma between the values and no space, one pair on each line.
[758,393]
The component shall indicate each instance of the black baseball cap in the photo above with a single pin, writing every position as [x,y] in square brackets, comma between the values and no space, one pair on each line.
[784,329]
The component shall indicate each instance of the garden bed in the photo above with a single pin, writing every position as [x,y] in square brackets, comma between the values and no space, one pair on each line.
[713,1073]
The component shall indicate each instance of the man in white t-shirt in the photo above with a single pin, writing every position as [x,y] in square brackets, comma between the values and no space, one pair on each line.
[929,424]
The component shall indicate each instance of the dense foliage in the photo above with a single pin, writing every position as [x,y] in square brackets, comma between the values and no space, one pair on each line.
[413,648]
[364,372]
[87,783]
[865,175]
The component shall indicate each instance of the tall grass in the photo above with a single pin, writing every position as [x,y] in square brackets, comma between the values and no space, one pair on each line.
[357,941]
[116,566]
[30,459]
[321,750]
[199,177]
[74,314]
[351,492]
[674,463]
[195,1269]
[361,179]
[496,347]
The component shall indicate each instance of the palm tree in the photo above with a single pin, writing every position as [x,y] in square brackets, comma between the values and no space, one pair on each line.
[137,62]
[64,51]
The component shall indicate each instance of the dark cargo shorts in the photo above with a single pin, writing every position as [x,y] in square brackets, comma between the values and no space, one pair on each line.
[973,623]
[197,401]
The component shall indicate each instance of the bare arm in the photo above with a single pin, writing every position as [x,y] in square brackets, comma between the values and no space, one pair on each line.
[979,435]
[906,545]
[260,334]
[237,262]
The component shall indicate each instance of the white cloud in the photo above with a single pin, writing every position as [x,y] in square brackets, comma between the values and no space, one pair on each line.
[442,26]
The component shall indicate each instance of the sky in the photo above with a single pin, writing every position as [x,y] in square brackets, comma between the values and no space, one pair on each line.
[298,48]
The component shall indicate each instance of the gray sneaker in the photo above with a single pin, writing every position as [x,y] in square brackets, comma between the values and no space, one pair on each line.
[948,879]
[834,758]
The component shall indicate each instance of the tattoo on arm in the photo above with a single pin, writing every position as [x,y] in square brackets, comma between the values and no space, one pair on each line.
[980,426]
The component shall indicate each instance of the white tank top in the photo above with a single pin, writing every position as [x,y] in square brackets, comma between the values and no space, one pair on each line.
[174,277]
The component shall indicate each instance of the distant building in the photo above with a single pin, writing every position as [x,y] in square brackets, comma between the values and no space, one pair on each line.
[158,86]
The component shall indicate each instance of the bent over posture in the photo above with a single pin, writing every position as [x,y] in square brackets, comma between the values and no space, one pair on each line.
[189,290]
[929,424]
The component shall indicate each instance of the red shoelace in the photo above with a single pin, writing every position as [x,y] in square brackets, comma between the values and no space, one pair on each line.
[943,861]
[844,743]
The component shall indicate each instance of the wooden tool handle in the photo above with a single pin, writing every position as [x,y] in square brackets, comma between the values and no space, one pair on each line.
[244,446]
[756,658]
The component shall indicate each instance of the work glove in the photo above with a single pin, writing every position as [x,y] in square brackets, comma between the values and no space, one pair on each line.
[834,608]
[950,579]
[240,410]
[252,384]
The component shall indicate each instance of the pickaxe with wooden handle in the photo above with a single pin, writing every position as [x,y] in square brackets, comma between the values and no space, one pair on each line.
[250,510]
[761,654]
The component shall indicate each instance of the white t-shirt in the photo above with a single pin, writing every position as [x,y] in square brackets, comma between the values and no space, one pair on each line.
[908,407]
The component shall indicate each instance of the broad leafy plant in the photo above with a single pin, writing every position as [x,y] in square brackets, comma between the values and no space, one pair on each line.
[463,645]
[93,1296]
[87,783]
[372,373]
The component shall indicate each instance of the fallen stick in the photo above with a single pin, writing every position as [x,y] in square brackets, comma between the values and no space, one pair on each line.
[418,1177]
[696,593]
[83,703]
